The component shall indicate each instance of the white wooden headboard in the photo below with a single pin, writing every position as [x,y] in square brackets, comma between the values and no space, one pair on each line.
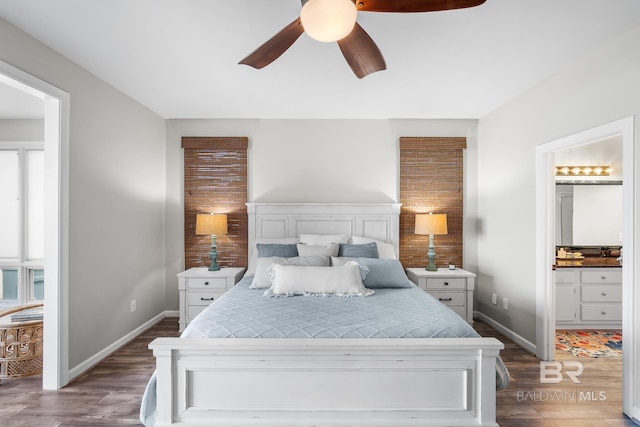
[380,221]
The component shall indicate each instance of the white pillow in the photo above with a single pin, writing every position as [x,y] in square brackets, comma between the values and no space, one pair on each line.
[262,276]
[304,280]
[254,250]
[385,250]
[323,239]
[309,250]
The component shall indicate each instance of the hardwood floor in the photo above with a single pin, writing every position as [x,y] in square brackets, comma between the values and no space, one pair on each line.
[595,402]
[109,394]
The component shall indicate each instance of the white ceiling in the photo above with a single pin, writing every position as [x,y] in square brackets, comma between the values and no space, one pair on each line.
[179,57]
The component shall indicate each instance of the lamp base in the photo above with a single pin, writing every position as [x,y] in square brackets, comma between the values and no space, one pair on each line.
[213,255]
[431,255]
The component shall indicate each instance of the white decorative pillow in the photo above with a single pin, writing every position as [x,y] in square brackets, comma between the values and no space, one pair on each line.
[262,276]
[254,251]
[309,250]
[385,250]
[323,239]
[304,280]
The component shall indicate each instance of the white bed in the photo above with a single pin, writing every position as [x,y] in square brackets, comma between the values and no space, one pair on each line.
[329,381]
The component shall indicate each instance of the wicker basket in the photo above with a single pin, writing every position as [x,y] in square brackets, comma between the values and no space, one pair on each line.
[20,345]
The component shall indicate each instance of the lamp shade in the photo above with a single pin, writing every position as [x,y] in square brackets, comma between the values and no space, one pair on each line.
[431,224]
[328,20]
[211,224]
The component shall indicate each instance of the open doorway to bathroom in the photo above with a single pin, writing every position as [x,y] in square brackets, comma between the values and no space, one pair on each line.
[588,239]
[546,244]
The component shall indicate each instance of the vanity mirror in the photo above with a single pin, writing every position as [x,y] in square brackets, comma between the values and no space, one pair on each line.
[589,214]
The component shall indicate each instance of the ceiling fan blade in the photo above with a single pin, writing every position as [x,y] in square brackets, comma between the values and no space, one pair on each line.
[275,46]
[414,5]
[361,52]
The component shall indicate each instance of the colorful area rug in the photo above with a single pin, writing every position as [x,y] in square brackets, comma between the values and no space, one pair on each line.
[590,343]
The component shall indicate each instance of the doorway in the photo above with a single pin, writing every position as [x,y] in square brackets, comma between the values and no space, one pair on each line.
[56,136]
[545,249]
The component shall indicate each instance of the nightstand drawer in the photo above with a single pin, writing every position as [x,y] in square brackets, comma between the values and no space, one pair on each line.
[444,283]
[459,309]
[193,311]
[207,283]
[601,312]
[198,287]
[450,298]
[454,288]
[602,293]
[203,298]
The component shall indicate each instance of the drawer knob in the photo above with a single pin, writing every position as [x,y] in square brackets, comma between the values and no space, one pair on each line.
[206,283]
[603,277]
[604,294]
[206,299]
[604,313]
[445,299]
[446,283]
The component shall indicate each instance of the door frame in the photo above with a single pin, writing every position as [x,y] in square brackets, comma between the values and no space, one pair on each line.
[55,374]
[545,249]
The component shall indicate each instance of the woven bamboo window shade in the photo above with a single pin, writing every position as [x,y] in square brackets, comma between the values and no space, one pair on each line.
[215,181]
[431,180]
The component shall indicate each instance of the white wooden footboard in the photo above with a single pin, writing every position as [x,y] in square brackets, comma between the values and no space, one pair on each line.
[326,382]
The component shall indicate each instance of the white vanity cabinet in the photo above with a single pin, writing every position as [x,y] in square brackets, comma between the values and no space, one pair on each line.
[589,298]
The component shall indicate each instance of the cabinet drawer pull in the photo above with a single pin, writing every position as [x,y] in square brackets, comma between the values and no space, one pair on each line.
[604,294]
[445,299]
[603,277]
[604,313]
[207,299]
[446,283]
[206,283]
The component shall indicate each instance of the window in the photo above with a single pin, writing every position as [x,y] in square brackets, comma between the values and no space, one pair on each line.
[21,223]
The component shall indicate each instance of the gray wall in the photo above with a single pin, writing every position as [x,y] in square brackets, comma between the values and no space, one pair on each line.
[116,199]
[314,160]
[602,87]
[21,130]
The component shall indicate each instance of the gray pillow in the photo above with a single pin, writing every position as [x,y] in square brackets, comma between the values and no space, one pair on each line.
[284,250]
[366,250]
[379,273]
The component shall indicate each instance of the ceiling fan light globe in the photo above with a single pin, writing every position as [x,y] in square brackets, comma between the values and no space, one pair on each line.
[328,20]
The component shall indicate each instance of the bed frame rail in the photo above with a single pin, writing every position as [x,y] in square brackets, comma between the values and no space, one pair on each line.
[326,382]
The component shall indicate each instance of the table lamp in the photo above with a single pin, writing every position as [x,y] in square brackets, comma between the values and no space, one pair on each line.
[212,225]
[431,224]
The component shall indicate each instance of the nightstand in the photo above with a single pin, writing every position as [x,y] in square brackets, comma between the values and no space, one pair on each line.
[199,287]
[453,288]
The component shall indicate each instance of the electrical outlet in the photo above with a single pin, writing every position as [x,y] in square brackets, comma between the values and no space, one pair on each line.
[494,299]
[505,303]
[133,305]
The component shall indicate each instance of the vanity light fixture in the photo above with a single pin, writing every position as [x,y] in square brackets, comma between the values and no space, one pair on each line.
[583,170]
[431,224]
[212,225]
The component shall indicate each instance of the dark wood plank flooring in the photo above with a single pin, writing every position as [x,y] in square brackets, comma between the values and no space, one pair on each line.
[110,394]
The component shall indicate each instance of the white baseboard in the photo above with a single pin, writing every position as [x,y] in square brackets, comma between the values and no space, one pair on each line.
[100,356]
[525,344]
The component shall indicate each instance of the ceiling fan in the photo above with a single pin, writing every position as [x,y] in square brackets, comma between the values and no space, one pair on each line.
[335,20]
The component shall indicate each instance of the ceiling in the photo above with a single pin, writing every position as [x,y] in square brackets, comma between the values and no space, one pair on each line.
[180,57]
